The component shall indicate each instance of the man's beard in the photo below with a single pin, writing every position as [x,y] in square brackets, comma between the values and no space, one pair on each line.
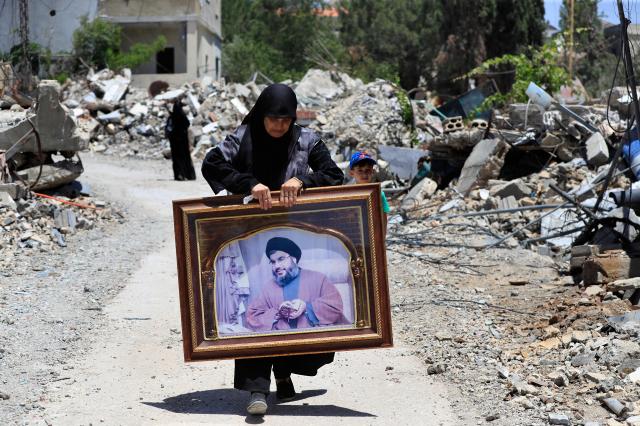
[290,275]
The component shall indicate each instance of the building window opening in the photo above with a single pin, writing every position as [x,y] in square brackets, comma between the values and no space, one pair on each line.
[165,61]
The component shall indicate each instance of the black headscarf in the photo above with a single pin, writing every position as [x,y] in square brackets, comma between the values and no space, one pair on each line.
[271,155]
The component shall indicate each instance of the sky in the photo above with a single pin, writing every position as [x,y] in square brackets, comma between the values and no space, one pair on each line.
[607,8]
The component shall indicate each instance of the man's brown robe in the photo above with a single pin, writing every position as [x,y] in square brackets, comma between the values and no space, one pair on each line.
[315,290]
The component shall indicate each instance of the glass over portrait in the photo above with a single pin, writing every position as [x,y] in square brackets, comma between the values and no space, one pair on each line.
[282,280]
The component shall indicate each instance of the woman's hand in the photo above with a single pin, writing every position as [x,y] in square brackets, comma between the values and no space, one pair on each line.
[261,193]
[289,191]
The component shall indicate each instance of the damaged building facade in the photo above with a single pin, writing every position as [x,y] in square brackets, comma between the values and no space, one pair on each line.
[192,28]
[51,24]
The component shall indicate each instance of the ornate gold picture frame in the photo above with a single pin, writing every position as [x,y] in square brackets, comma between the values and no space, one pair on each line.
[306,279]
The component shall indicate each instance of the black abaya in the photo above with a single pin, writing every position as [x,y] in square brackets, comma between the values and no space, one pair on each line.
[179,142]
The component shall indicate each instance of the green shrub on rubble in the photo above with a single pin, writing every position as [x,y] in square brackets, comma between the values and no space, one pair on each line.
[62,77]
[94,39]
[405,106]
[539,65]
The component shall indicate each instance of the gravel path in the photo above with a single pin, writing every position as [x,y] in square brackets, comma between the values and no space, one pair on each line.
[90,335]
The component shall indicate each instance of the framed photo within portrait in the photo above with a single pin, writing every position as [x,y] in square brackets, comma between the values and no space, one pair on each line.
[306,279]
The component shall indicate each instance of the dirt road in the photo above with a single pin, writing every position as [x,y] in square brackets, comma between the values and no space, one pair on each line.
[130,370]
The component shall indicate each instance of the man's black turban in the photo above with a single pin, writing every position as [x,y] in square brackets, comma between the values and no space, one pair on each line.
[285,245]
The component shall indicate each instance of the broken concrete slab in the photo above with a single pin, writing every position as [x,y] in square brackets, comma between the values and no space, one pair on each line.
[597,150]
[419,193]
[112,117]
[139,110]
[484,163]
[239,106]
[7,201]
[624,284]
[55,123]
[171,95]
[53,175]
[516,187]
[114,89]
[560,220]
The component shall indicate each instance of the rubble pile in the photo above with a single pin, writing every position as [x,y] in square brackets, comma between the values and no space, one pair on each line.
[555,333]
[126,121]
[370,117]
[44,224]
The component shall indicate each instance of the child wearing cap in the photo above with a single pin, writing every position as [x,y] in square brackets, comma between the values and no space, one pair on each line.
[361,169]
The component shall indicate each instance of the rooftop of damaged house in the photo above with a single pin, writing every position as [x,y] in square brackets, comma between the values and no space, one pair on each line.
[513,193]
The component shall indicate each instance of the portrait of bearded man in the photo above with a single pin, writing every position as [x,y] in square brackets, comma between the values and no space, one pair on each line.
[293,297]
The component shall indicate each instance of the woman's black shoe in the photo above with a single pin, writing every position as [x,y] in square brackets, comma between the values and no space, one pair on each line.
[285,390]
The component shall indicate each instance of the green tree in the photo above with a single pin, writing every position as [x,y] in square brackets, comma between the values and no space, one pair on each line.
[463,36]
[271,36]
[396,40]
[541,65]
[517,26]
[592,63]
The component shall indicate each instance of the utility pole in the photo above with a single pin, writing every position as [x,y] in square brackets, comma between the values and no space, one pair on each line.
[631,81]
[628,63]
[25,64]
[571,28]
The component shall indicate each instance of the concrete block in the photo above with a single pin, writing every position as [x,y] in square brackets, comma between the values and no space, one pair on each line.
[65,218]
[516,187]
[597,150]
[452,124]
[509,202]
[558,419]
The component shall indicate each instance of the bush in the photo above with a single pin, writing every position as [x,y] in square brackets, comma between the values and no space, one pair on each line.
[137,55]
[62,77]
[97,43]
[93,41]
[540,66]
[405,105]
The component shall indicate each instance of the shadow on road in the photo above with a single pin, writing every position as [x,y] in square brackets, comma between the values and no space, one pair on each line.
[231,401]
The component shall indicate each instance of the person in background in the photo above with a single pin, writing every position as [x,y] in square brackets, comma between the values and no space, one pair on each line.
[424,170]
[176,131]
[361,169]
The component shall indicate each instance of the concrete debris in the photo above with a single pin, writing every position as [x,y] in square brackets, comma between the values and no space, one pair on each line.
[484,163]
[419,194]
[558,419]
[597,150]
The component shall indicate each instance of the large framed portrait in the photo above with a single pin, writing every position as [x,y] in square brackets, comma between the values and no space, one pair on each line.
[306,279]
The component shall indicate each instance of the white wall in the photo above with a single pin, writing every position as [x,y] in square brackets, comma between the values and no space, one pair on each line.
[53,32]
[209,48]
